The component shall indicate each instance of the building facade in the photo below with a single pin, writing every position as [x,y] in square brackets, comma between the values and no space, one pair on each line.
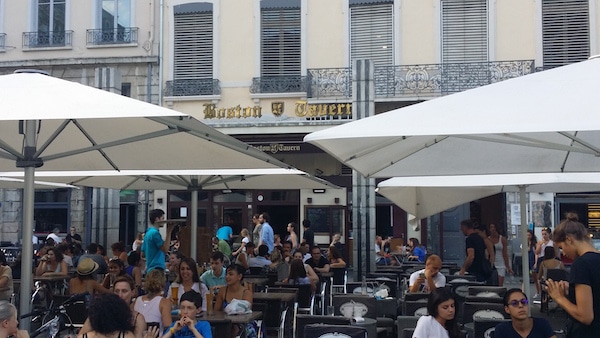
[271,71]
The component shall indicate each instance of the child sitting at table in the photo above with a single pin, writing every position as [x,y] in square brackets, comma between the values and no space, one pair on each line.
[187,326]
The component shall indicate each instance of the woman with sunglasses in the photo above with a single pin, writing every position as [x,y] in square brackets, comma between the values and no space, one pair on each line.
[521,325]
[580,296]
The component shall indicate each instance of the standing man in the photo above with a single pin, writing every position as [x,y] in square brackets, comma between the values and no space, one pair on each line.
[475,252]
[73,236]
[266,233]
[225,232]
[154,246]
[308,236]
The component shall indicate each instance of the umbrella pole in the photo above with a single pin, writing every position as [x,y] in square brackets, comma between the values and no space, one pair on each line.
[524,243]
[194,225]
[28,205]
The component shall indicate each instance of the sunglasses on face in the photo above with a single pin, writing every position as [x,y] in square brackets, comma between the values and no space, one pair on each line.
[515,303]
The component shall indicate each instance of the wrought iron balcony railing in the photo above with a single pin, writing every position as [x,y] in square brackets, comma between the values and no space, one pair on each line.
[47,39]
[2,40]
[417,81]
[279,84]
[112,36]
[192,87]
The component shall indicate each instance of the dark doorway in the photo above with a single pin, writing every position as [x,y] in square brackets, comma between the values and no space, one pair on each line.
[127,221]
[383,217]
[281,215]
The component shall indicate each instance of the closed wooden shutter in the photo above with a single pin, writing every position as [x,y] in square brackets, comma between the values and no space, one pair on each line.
[565,31]
[464,31]
[193,45]
[372,33]
[280,42]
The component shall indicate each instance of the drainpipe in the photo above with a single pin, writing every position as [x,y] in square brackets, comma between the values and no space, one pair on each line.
[160,53]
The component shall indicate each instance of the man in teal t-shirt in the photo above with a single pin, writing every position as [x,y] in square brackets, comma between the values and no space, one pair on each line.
[154,246]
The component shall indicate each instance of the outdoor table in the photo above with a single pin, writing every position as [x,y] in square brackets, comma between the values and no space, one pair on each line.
[52,282]
[257,280]
[222,322]
[265,297]
[368,323]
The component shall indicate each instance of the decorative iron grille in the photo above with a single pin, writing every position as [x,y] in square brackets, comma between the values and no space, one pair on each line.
[279,84]
[192,87]
[47,39]
[112,36]
[2,40]
[417,81]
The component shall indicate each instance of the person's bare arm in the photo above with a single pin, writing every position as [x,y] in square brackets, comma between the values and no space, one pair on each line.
[325,268]
[99,288]
[167,242]
[490,249]
[468,260]
[219,301]
[311,274]
[165,312]
[41,268]
[583,310]
[339,264]
[87,327]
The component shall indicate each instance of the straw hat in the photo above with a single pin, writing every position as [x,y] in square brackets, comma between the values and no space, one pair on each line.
[86,266]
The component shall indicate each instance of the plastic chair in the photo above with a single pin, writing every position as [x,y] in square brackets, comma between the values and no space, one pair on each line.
[319,330]
[487,291]
[545,299]
[485,328]
[483,311]
[340,278]
[414,308]
[303,320]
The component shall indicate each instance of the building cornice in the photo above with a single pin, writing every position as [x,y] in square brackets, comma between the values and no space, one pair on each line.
[80,61]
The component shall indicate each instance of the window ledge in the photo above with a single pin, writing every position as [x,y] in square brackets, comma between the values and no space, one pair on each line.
[35,49]
[256,97]
[213,98]
[112,45]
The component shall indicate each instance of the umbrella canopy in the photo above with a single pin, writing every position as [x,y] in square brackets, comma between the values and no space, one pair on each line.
[18,183]
[208,179]
[541,122]
[63,125]
[544,122]
[423,196]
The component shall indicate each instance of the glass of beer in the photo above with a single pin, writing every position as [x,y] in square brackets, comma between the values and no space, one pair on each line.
[175,294]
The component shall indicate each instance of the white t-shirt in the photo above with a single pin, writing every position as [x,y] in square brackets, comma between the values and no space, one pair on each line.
[245,240]
[198,287]
[439,280]
[428,327]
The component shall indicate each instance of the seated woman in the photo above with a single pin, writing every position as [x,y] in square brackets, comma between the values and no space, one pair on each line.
[310,273]
[134,270]
[116,268]
[155,308]
[235,290]
[277,266]
[516,305]
[125,290]
[6,278]
[298,274]
[441,321]
[84,281]
[335,258]
[549,262]
[9,325]
[187,280]
[116,322]
[418,251]
[52,264]
[118,250]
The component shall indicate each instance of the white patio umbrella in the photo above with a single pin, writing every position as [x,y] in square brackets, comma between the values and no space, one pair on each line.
[424,196]
[19,183]
[64,125]
[542,122]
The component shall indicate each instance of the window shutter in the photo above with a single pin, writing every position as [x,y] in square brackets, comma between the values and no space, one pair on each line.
[565,31]
[371,33]
[193,42]
[280,42]
[464,31]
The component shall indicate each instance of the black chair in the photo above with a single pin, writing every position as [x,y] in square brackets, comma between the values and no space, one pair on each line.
[303,320]
[406,322]
[344,303]
[487,291]
[304,296]
[469,278]
[545,299]
[415,296]
[319,330]
[256,271]
[477,299]
[407,333]
[340,278]
[414,308]
[483,311]
[355,287]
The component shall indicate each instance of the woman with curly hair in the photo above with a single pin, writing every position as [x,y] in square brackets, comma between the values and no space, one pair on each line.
[116,323]
[153,306]
[441,321]
[52,264]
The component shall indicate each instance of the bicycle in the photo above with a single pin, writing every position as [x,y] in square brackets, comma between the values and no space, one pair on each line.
[59,321]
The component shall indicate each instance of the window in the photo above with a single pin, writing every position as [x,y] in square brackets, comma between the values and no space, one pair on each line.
[193,50]
[115,22]
[371,32]
[326,219]
[280,47]
[52,210]
[565,32]
[51,23]
[464,31]
[280,38]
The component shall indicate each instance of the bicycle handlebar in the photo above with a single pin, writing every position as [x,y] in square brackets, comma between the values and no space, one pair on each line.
[73,298]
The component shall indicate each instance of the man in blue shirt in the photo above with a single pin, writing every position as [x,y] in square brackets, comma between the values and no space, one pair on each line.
[266,234]
[154,246]
[225,233]
[215,277]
